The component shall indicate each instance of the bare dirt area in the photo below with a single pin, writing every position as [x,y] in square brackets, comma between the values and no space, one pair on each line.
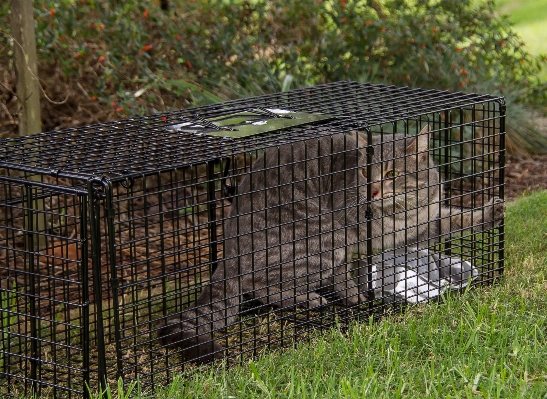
[524,175]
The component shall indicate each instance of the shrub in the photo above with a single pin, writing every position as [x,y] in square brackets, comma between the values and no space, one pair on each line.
[135,58]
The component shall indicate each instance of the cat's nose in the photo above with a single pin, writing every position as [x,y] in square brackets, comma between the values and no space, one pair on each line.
[375,193]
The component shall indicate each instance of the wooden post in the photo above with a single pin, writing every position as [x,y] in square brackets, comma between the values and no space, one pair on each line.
[28,88]
[28,97]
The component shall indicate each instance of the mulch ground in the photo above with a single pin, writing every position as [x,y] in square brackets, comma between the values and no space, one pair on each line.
[525,175]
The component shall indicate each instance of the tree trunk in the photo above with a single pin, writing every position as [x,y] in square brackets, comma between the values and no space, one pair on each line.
[28,89]
[28,97]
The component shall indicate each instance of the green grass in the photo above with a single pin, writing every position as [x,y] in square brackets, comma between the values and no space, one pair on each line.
[486,343]
[530,19]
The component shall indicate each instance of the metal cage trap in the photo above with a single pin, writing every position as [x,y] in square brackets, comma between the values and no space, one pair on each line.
[143,247]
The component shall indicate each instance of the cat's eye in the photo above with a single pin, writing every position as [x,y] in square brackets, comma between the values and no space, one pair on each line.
[364,171]
[390,174]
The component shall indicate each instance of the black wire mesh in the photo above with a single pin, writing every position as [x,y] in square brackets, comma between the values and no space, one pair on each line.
[143,247]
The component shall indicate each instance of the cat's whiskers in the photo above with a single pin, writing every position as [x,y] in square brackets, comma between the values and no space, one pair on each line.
[406,200]
[397,201]
[349,210]
[400,203]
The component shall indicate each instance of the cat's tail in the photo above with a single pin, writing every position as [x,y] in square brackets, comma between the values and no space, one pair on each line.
[192,330]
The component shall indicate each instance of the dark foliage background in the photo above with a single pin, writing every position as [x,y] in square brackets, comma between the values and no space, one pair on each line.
[99,61]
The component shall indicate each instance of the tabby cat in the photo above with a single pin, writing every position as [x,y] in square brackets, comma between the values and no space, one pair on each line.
[301,214]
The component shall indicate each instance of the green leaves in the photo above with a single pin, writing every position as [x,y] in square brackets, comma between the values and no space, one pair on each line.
[183,87]
[205,51]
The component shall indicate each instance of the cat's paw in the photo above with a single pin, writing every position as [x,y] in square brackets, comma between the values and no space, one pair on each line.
[199,349]
[494,211]
[354,300]
[310,300]
[316,303]
[499,208]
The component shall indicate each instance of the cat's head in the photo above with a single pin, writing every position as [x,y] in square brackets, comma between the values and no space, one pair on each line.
[401,171]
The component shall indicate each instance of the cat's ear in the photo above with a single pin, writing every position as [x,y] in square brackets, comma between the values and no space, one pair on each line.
[419,144]
[423,139]
[425,130]
[360,138]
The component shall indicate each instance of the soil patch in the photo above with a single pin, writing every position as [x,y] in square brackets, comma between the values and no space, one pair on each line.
[524,175]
